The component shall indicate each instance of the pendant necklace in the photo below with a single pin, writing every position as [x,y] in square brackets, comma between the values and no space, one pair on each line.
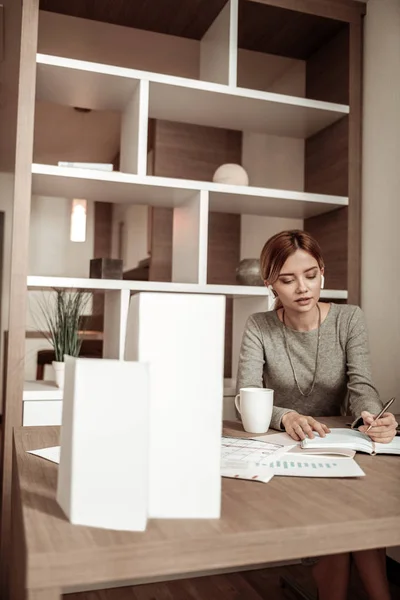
[290,357]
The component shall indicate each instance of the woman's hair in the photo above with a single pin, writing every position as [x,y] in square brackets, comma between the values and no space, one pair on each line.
[277,250]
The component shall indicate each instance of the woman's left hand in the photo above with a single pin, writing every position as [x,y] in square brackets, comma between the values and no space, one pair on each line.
[383,430]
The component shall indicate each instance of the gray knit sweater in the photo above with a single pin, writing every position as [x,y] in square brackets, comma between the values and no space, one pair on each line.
[343,374]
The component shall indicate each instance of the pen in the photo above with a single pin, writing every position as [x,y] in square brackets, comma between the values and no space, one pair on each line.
[384,409]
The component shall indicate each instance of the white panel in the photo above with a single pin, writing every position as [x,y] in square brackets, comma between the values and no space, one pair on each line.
[234,291]
[41,390]
[182,338]
[233,41]
[103,473]
[100,86]
[134,127]
[190,240]
[255,231]
[42,413]
[218,48]
[116,308]
[242,309]
[273,161]
[49,180]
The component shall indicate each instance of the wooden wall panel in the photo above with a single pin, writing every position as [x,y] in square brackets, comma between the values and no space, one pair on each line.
[194,151]
[223,248]
[290,33]
[223,258]
[161,244]
[101,249]
[326,168]
[102,229]
[343,10]
[327,156]
[330,230]
[327,71]
[14,380]
[355,161]
[189,19]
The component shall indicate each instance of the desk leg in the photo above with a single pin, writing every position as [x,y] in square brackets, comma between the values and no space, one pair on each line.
[44,594]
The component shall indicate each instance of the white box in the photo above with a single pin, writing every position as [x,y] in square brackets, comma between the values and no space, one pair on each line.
[103,473]
[181,336]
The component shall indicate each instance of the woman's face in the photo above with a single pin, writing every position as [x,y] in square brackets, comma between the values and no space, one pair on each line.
[299,283]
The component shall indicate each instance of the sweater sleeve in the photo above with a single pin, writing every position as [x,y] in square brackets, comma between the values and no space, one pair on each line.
[363,395]
[251,366]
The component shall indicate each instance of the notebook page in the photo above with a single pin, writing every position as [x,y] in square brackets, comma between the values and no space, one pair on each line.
[341,438]
[392,448]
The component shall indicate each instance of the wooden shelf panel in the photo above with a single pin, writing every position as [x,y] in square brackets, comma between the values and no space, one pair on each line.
[62,182]
[104,87]
[236,291]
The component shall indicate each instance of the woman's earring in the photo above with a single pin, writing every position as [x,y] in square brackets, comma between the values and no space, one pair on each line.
[322,282]
[273,294]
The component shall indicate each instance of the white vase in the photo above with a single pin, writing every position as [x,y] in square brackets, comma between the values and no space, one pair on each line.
[59,372]
[231,174]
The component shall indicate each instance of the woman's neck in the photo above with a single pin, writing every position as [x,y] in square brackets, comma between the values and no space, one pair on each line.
[301,321]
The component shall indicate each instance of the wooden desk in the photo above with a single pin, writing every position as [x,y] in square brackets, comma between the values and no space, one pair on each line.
[287,518]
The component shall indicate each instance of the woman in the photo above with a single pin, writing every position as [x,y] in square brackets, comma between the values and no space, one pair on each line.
[315,357]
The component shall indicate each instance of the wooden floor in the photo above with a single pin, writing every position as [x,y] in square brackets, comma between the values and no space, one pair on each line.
[261,584]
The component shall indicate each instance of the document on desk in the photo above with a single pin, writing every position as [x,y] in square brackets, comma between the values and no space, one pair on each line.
[294,465]
[249,451]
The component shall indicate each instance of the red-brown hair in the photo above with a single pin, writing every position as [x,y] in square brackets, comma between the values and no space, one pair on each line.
[279,247]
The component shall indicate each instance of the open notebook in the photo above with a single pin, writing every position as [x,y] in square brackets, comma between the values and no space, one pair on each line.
[351,440]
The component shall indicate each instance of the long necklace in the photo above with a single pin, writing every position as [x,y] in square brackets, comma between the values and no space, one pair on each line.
[290,357]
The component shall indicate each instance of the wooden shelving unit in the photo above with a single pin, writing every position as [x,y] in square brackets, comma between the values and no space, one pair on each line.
[306,88]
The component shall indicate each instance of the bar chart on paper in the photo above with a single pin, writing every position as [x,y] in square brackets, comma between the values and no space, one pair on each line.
[293,466]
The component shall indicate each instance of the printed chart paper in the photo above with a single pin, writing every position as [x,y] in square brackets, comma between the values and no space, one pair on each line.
[294,466]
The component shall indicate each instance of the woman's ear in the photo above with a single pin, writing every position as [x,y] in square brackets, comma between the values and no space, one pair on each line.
[270,289]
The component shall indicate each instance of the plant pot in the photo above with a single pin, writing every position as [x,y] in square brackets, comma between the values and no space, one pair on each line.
[59,371]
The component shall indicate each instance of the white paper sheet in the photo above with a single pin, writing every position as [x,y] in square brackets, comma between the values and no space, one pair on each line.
[52,454]
[281,438]
[248,451]
[292,465]
[236,470]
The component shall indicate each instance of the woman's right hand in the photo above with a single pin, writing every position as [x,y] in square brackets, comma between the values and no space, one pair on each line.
[300,426]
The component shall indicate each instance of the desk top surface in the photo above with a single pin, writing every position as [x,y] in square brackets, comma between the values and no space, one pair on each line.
[284,519]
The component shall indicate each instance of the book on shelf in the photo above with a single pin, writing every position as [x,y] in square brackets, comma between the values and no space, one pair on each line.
[350,439]
[86,165]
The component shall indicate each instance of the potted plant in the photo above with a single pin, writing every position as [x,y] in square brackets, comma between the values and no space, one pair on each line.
[61,315]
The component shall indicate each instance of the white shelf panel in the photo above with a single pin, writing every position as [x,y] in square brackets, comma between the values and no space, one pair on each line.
[105,87]
[63,182]
[38,282]
[236,291]
[41,390]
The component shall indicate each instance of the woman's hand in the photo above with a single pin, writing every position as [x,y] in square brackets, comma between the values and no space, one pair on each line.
[299,426]
[383,430]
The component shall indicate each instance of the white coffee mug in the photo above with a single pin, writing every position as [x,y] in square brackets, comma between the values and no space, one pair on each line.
[255,407]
